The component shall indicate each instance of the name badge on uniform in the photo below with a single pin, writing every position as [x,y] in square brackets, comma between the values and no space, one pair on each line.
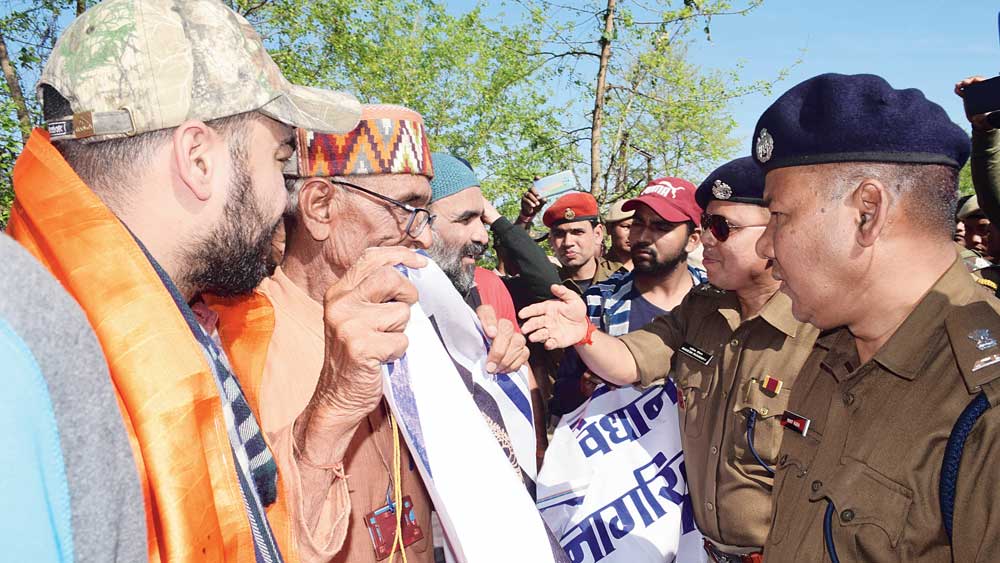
[795,422]
[697,354]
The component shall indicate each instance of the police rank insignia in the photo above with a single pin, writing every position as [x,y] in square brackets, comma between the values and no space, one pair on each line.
[722,190]
[764,146]
[569,213]
[983,339]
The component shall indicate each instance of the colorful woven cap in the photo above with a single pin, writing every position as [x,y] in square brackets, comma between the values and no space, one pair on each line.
[739,181]
[451,175]
[856,118]
[670,198]
[388,140]
[570,208]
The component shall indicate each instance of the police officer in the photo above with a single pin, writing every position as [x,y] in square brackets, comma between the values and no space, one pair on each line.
[577,235]
[861,183]
[733,349]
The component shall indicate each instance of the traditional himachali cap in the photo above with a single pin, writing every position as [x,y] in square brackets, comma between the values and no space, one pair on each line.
[616,214]
[388,140]
[451,175]
[570,208]
[856,118]
[739,181]
[132,66]
[670,198]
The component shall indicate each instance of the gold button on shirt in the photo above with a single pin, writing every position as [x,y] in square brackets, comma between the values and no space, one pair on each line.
[731,492]
[877,439]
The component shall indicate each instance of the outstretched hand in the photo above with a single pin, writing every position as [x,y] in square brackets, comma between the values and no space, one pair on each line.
[557,323]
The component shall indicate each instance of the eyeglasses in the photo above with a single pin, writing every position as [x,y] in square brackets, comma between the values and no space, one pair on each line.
[720,227]
[420,217]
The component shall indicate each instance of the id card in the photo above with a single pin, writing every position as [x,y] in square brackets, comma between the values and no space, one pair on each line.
[556,184]
[381,525]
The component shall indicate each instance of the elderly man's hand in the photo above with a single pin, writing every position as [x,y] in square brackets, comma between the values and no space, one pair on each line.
[365,313]
[978,121]
[556,323]
[508,352]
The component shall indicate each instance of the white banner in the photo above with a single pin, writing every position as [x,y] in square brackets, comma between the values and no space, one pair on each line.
[613,486]
[485,511]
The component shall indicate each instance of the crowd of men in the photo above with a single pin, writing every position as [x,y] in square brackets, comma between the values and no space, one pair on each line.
[203,288]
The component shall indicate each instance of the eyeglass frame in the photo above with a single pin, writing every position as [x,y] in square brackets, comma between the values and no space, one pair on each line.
[708,218]
[413,210]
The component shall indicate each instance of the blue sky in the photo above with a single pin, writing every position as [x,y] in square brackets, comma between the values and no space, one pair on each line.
[925,44]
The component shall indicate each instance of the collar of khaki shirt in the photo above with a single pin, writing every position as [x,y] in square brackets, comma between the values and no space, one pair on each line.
[905,354]
[777,312]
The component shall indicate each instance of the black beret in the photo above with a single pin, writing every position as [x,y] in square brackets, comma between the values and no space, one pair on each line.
[856,118]
[740,180]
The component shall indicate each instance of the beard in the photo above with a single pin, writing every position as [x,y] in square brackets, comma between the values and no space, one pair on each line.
[449,258]
[655,265]
[235,256]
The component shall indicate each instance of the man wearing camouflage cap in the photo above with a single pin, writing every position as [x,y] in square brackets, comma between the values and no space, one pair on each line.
[890,447]
[160,177]
[618,223]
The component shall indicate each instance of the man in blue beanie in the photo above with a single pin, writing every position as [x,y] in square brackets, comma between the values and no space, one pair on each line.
[861,180]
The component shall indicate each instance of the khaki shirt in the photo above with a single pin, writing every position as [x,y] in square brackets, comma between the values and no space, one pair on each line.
[731,492]
[877,437]
[605,269]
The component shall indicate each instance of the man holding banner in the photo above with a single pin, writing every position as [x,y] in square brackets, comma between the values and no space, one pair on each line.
[734,349]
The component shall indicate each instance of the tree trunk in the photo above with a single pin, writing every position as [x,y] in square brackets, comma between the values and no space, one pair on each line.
[602,74]
[81,6]
[14,86]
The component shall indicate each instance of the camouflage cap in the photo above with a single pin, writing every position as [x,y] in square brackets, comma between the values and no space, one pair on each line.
[132,66]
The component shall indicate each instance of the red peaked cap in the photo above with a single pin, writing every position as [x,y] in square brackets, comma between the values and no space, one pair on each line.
[570,208]
[670,198]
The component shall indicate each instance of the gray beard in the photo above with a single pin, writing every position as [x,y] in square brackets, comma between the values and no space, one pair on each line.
[450,261]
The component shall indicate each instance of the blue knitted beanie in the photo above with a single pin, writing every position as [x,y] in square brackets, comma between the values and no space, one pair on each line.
[451,175]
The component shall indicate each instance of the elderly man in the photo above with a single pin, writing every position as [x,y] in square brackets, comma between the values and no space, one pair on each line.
[619,222]
[160,177]
[309,344]
[576,235]
[861,184]
[733,349]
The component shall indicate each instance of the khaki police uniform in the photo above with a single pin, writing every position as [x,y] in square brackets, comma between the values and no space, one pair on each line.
[877,435]
[719,362]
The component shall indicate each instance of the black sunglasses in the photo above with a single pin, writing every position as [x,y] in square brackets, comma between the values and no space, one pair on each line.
[720,227]
[420,217]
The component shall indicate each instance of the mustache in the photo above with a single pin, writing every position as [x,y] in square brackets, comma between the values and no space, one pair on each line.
[474,249]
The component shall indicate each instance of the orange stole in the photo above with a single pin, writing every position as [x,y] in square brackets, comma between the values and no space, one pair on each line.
[168,396]
[245,327]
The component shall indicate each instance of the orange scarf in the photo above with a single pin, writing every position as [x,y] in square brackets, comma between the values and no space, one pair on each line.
[166,390]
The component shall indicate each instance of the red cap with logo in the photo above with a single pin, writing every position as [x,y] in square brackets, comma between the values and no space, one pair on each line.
[572,207]
[670,198]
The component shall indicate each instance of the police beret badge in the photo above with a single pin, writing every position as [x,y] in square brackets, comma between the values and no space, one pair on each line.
[765,146]
[722,190]
[569,213]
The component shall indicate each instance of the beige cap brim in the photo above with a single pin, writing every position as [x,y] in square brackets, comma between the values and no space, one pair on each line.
[314,109]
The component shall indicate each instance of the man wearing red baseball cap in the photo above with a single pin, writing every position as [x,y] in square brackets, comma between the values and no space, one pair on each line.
[577,234]
[665,228]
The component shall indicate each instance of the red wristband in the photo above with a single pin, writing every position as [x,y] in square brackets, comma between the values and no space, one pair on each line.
[587,340]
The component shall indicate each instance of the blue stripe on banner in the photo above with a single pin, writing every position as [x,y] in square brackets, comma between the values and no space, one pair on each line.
[514,393]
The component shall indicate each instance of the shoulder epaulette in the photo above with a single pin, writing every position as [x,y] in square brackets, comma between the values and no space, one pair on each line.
[709,289]
[974,330]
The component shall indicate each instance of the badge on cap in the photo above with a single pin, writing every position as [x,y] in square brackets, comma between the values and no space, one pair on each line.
[983,339]
[765,146]
[795,422]
[722,190]
[569,213]
[986,362]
